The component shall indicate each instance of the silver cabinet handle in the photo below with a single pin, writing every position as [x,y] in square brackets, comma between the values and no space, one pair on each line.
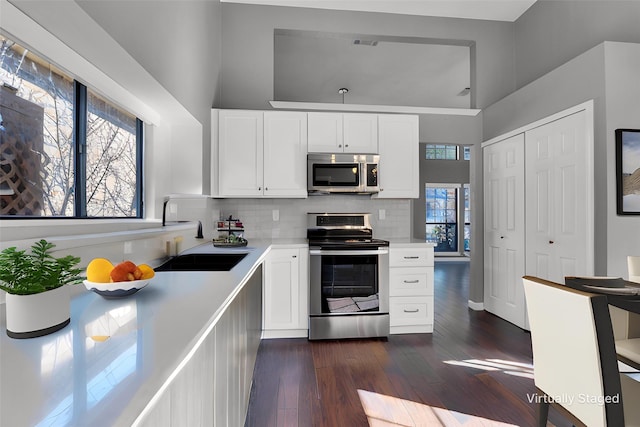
[412,281]
[411,257]
[411,311]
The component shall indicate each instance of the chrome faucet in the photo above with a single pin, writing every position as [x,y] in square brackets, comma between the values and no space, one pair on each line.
[199,233]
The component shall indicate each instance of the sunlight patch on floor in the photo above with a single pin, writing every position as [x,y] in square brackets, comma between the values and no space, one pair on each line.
[388,411]
[508,367]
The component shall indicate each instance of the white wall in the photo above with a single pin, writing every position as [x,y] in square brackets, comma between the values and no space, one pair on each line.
[552,32]
[608,74]
[622,81]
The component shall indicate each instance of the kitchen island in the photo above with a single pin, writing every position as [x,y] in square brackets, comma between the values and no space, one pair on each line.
[178,352]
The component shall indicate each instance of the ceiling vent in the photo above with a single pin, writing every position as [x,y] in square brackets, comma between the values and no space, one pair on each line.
[366,42]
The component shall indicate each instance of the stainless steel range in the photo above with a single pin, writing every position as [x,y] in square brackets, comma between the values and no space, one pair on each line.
[349,277]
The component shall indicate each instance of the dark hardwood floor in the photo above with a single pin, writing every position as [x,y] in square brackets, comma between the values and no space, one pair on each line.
[474,363]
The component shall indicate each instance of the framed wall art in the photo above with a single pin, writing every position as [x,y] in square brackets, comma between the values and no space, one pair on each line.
[628,171]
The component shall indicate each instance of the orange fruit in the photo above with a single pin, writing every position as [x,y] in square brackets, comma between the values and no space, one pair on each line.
[99,270]
[147,272]
[123,272]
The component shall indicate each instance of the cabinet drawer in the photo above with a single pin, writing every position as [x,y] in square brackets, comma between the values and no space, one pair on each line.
[410,281]
[409,311]
[411,257]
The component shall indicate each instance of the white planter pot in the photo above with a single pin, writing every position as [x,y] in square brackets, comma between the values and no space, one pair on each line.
[30,316]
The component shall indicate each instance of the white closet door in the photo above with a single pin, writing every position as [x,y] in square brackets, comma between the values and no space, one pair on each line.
[504,229]
[559,188]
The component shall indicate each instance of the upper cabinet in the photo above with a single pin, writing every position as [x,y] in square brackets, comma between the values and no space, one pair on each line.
[261,154]
[241,155]
[343,133]
[264,153]
[399,169]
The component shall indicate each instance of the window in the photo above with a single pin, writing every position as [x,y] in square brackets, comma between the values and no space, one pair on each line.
[466,153]
[441,152]
[66,151]
[445,212]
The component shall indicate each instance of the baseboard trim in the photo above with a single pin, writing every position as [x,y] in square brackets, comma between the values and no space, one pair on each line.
[477,306]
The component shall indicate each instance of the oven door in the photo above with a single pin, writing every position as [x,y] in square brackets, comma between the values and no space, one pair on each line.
[349,281]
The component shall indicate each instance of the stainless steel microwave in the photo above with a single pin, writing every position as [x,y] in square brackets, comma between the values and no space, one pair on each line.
[342,173]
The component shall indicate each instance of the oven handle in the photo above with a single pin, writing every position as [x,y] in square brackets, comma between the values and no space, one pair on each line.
[381,251]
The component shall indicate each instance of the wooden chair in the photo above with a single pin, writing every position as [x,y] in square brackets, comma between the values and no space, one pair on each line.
[574,358]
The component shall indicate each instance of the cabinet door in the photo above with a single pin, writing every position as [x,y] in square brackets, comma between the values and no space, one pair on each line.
[282,290]
[325,132]
[399,172]
[285,154]
[504,229]
[360,133]
[240,153]
[559,188]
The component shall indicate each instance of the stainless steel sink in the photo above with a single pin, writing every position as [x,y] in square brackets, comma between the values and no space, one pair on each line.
[202,262]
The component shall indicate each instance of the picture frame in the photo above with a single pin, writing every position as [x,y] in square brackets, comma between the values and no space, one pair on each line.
[628,171]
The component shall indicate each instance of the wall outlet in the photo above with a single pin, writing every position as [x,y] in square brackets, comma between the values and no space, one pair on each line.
[128,248]
[382,214]
[275,214]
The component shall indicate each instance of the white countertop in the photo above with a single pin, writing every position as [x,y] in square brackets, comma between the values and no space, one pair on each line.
[71,377]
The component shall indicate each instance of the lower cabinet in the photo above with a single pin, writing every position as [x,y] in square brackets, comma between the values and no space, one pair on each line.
[411,300]
[286,292]
[213,387]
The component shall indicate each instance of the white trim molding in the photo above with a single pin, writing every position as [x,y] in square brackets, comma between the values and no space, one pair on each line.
[476,306]
[403,109]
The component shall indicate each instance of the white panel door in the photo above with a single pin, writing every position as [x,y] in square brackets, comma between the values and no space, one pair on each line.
[240,153]
[559,203]
[504,229]
[285,154]
[399,156]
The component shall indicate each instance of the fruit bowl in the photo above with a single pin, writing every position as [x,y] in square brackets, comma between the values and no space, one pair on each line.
[116,289]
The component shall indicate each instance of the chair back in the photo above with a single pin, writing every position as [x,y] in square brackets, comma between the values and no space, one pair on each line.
[633,263]
[574,355]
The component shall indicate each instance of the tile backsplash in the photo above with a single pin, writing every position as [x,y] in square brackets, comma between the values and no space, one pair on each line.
[286,218]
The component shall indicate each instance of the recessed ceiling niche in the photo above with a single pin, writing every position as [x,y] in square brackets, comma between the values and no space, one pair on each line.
[313,66]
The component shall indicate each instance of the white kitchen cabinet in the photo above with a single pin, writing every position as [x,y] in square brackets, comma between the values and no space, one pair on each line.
[240,161]
[261,154]
[411,297]
[343,133]
[212,388]
[325,132]
[360,133]
[285,154]
[399,169]
[286,293]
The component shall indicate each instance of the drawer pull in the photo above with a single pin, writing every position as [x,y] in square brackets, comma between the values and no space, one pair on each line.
[411,311]
[412,281]
[411,257]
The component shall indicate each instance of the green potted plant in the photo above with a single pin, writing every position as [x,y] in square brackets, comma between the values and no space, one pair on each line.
[38,301]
